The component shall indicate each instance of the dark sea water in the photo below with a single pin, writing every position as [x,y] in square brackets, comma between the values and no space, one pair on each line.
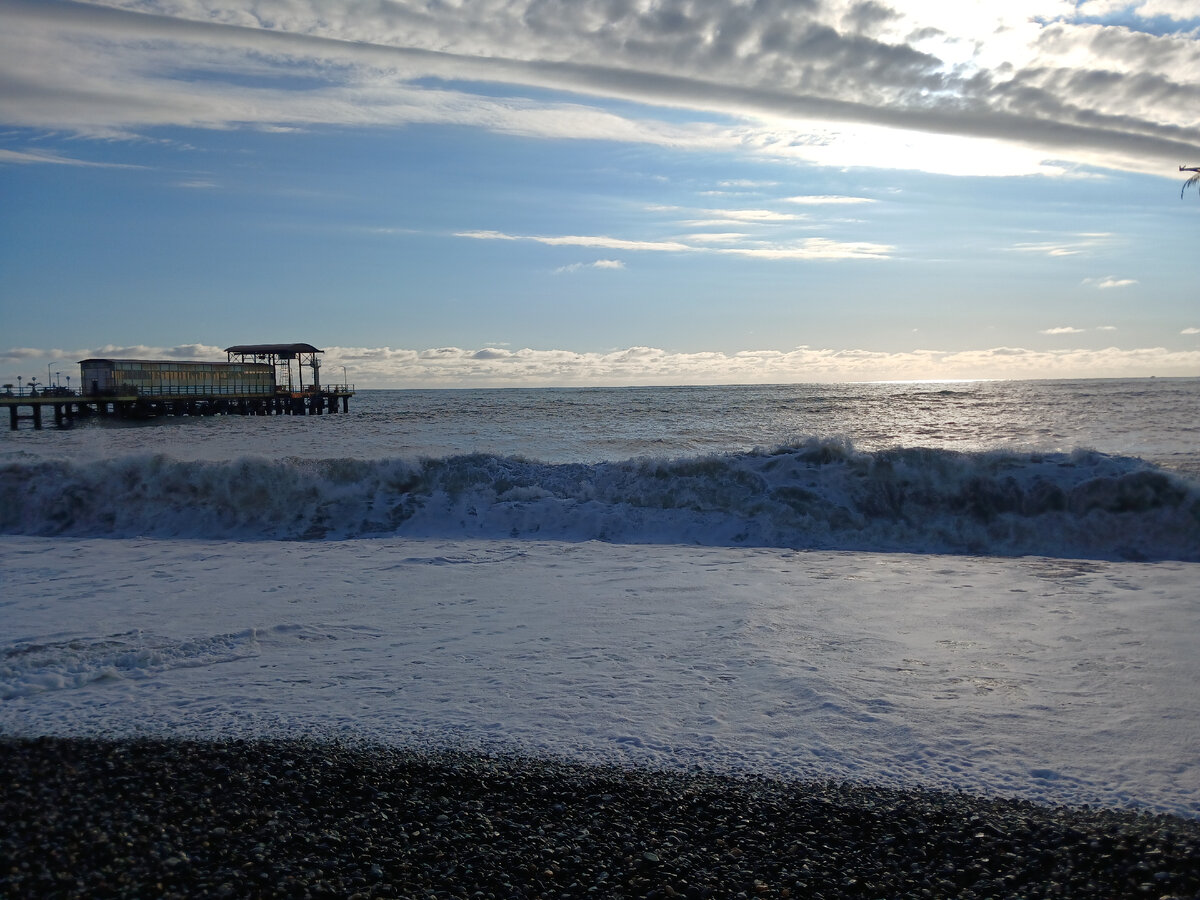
[1096,468]
[1156,419]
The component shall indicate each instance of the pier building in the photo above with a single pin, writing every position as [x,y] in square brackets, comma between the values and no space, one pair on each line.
[256,379]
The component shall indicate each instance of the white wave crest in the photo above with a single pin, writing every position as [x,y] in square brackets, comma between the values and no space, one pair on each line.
[819,494]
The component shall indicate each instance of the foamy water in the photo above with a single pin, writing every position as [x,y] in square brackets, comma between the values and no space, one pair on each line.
[745,578]
[1057,680]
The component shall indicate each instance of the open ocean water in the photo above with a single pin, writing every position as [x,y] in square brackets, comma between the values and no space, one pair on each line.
[1092,468]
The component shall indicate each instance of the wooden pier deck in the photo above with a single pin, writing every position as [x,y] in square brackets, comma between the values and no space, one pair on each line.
[66,406]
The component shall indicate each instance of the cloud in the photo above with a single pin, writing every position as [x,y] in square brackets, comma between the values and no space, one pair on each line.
[716,237]
[1062,329]
[827,200]
[598,264]
[1190,331]
[26,355]
[575,240]
[807,248]
[40,157]
[20,354]
[986,89]
[653,365]
[384,367]
[814,248]
[746,216]
[1178,10]
[740,187]
[142,351]
[1072,245]
[1110,281]
[1049,249]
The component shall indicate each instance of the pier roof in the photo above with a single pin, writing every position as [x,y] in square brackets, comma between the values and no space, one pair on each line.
[275,349]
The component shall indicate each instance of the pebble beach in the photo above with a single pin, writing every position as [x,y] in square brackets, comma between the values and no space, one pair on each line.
[302,818]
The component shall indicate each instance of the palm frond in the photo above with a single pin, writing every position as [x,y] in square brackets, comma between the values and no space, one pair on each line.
[1194,180]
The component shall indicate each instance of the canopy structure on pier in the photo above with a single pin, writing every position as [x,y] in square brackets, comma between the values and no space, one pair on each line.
[280,356]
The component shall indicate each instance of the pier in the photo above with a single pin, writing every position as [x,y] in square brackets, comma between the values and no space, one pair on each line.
[67,406]
[257,380]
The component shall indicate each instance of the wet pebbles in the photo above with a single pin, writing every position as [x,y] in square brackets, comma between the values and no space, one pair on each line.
[83,818]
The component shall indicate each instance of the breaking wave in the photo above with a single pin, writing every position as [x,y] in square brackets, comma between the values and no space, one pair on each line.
[822,494]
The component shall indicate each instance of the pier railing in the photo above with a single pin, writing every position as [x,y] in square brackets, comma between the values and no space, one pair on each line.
[29,390]
[127,401]
[175,390]
[308,389]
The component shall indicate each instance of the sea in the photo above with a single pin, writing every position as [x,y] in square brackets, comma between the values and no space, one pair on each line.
[990,586]
[1097,468]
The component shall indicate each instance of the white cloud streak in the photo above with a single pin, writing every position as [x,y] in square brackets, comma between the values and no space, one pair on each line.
[805,249]
[1108,282]
[33,157]
[826,200]
[598,264]
[1068,245]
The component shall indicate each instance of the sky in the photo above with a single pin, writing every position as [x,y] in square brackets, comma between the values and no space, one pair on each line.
[571,192]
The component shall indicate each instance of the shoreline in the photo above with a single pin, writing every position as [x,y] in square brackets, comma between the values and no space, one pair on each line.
[298,818]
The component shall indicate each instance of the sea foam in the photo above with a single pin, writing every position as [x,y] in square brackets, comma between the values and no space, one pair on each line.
[31,667]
